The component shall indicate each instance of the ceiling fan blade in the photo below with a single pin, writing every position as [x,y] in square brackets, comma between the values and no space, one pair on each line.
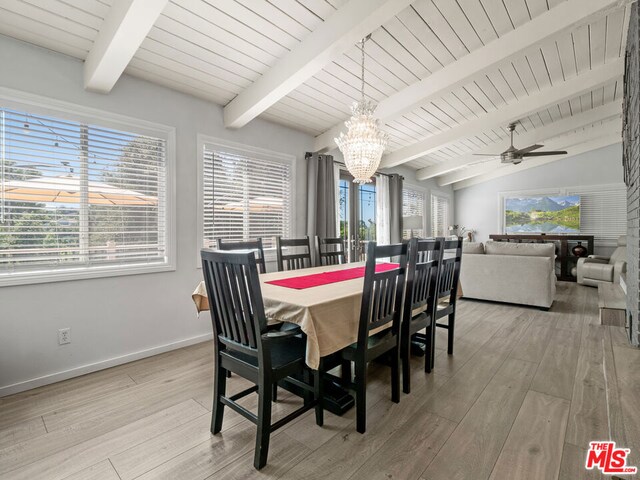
[530,148]
[543,154]
[487,154]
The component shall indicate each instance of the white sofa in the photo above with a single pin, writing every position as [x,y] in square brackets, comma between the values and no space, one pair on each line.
[597,269]
[521,273]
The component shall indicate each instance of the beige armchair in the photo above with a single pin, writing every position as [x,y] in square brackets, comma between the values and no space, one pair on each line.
[597,269]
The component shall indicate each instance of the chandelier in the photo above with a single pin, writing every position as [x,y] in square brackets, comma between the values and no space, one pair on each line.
[364,142]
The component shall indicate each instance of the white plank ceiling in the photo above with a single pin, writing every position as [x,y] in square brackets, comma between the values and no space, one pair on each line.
[214,49]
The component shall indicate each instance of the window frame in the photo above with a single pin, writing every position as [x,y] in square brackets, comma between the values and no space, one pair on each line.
[447,213]
[425,207]
[240,149]
[63,110]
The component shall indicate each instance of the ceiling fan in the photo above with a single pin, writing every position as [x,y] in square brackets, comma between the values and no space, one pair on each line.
[516,155]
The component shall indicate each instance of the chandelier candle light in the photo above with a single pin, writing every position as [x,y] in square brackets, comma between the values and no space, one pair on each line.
[364,142]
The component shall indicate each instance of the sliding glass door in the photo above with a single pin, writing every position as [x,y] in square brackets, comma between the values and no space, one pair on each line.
[357,215]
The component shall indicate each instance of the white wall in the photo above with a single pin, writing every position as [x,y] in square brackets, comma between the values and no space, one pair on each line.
[124,316]
[477,206]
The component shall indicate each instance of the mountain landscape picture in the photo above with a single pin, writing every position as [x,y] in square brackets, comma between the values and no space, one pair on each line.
[544,214]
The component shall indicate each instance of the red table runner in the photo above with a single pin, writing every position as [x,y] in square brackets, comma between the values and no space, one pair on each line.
[325,278]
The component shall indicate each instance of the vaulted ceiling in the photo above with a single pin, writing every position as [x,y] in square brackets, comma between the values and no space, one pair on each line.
[448,75]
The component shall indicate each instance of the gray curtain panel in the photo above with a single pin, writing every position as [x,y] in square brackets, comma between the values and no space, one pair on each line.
[395,207]
[321,197]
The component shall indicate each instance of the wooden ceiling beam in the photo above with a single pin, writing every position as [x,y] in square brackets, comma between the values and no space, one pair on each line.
[347,26]
[539,135]
[561,18]
[125,27]
[536,102]
[591,139]
[593,144]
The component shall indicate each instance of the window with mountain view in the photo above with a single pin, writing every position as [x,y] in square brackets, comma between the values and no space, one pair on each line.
[77,196]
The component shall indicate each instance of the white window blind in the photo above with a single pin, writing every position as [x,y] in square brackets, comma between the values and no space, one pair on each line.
[245,198]
[439,216]
[603,213]
[78,196]
[412,212]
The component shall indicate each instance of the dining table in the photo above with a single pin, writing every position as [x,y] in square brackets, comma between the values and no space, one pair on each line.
[323,301]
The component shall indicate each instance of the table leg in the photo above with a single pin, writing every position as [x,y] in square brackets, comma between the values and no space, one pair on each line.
[337,399]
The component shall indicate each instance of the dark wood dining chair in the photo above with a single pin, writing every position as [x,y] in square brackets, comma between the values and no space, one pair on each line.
[255,245]
[297,259]
[448,281]
[423,266]
[381,306]
[330,251]
[244,345]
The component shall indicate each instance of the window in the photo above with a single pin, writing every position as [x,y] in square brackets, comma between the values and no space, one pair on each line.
[78,199]
[344,207]
[412,213]
[246,195]
[357,213]
[439,216]
[366,216]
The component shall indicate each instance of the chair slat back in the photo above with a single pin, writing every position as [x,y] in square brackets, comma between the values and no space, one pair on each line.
[236,305]
[450,269]
[293,261]
[331,251]
[383,292]
[255,245]
[423,266]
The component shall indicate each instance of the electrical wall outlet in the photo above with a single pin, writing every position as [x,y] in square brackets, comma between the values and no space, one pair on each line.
[64,336]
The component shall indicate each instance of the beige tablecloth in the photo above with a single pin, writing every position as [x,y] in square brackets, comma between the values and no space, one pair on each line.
[327,314]
[200,298]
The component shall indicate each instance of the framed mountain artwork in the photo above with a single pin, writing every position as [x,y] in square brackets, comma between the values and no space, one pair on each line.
[542,214]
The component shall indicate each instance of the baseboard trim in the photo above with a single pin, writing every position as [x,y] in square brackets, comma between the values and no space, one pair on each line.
[94,367]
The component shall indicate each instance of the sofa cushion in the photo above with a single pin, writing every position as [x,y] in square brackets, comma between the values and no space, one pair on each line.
[618,255]
[597,271]
[527,280]
[473,248]
[521,249]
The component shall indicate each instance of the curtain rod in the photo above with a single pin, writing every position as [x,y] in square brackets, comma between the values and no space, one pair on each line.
[307,155]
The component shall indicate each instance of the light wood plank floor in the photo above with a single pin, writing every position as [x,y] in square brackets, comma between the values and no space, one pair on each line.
[522,396]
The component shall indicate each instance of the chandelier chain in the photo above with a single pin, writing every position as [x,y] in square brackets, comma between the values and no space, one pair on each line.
[362,67]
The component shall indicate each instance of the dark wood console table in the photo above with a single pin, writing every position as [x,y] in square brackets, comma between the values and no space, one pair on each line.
[564,256]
